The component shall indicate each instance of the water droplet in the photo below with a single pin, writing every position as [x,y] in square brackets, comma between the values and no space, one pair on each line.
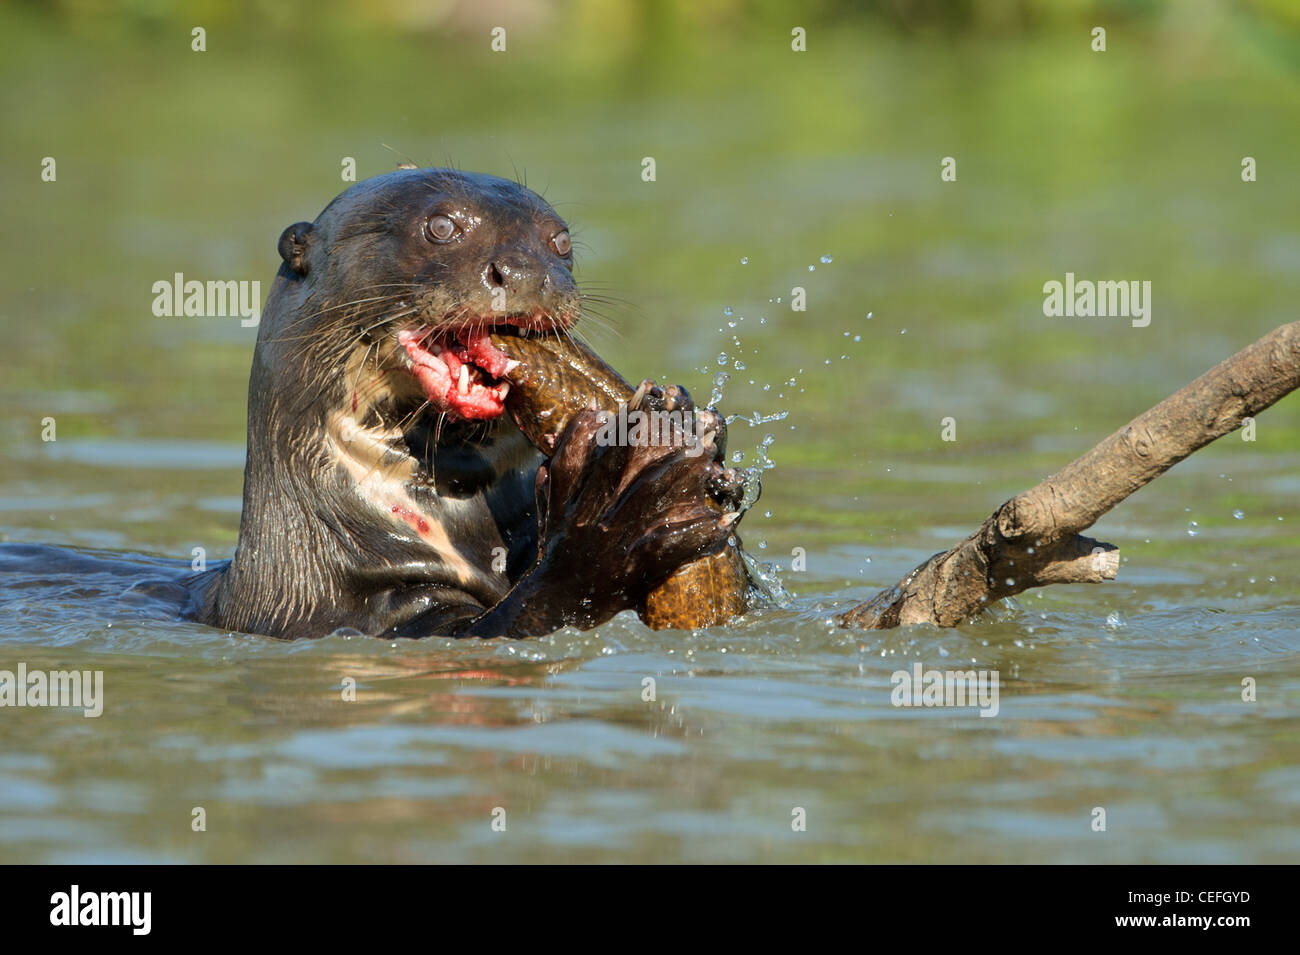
[722,358]
[767,513]
[727,310]
[1239,514]
[812,268]
[738,365]
[857,338]
[826,260]
[1193,529]
[719,383]
[744,260]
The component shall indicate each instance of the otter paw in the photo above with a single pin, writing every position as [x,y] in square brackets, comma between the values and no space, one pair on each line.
[726,487]
[650,397]
[626,516]
[676,401]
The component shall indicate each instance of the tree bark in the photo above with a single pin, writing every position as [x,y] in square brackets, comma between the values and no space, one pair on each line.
[1035,538]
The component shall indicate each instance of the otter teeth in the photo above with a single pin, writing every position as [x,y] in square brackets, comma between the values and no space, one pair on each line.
[464,379]
[503,389]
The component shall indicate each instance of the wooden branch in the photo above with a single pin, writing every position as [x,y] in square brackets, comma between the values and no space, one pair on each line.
[1034,538]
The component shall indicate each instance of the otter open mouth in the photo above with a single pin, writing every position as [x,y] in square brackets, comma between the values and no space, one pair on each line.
[460,370]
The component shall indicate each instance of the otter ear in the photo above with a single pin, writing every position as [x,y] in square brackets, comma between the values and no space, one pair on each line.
[293,246]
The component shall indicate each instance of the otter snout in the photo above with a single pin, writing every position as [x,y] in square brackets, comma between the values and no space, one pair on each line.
[523,281]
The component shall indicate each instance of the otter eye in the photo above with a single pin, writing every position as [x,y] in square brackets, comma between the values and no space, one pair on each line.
[560,242]
[439,228]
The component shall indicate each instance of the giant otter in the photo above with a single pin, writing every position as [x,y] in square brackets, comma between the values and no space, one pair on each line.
[384,488]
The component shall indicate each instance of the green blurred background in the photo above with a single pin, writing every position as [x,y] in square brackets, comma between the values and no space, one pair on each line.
[1123,164]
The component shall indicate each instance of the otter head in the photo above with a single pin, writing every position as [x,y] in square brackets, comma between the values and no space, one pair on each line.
[402,278]
[381,468]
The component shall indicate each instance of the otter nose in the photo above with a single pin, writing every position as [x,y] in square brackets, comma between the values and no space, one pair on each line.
[519,282]
[516,274]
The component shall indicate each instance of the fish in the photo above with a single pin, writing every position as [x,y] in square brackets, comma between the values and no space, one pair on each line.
[559,376]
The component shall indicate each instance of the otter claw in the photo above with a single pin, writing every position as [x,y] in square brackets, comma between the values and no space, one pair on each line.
[675,396]
[647,393]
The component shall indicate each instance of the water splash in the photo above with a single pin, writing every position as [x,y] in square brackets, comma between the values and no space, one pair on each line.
[757,419]
[766,579]
[719,383]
